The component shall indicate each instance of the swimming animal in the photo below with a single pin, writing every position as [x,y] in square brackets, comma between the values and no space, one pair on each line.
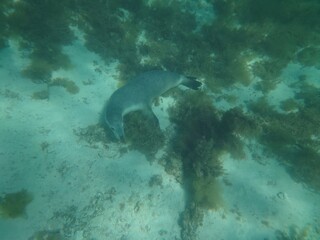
[139,93]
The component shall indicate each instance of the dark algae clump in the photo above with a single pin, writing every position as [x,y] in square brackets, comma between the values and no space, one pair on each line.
[13,205]
[270,30]
[292,136]
[42,29]
[202,135]
[143,134]
[68,84]
[4,26]
[147,35]
[194,144]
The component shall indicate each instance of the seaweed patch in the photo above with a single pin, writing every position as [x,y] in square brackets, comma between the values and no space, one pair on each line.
[13,205]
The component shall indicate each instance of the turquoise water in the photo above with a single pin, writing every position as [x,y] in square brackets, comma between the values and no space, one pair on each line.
[237,159]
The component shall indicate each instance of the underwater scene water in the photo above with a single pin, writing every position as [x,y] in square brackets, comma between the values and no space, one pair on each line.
[237,159]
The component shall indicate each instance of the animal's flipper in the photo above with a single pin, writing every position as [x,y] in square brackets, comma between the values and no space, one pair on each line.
[191,82]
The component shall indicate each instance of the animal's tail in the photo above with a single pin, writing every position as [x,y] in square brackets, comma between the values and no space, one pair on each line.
[191,82]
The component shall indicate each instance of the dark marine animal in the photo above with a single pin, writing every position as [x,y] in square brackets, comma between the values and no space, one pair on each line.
[139,93]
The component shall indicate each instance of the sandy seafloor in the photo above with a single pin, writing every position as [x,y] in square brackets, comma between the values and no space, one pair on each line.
[97,193]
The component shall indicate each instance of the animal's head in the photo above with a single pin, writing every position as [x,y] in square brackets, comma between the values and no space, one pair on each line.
[115,123]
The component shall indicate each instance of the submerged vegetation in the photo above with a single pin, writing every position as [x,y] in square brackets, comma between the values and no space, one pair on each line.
[4,26]
[294,136]
[42,29]
[143,134]
[145,35]
[202,135]
[293,232]
[41,95]
[13,205]
[94,135]
[67,84]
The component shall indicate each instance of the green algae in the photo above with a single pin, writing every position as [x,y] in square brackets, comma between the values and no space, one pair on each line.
[41,28]
[143,134]
[143,36]
[191,219]
[41,95]
[42,65]
[295,232]
[268,71]
[289,105]
[293,136]
[155,180]
[271,31]
[94,135]
[38,71]
[66,83]
[207,193]
[202,135]
[309,57]
[194,141]
[7,93]
[5,4]
[13,205]
[114,34]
